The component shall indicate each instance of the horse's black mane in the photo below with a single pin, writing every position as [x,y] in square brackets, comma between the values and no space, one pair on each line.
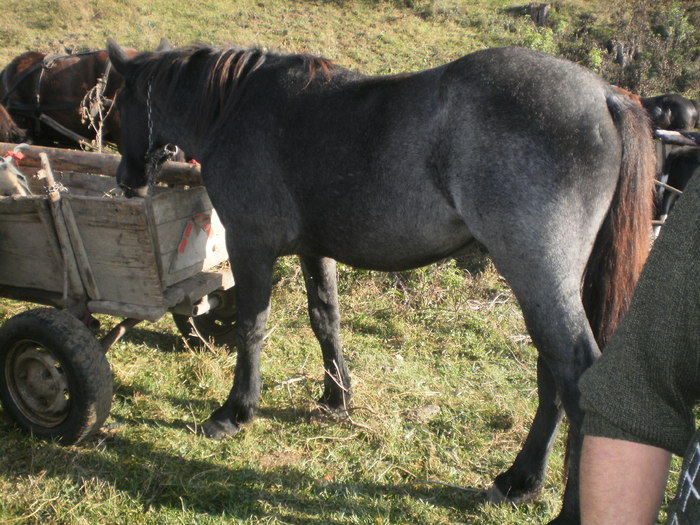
[211,77]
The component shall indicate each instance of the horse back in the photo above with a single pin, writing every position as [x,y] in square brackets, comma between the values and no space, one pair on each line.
[411,157]
[16,75]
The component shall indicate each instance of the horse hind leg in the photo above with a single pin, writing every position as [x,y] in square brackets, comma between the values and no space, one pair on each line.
[553,311]
[525,478]
[324,313]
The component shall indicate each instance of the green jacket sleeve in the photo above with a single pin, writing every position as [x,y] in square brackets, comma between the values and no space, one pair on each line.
[644,386]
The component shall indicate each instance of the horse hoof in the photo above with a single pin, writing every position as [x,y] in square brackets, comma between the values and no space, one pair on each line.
[331,403]
[494,495]
[322,412]
[215,429]
[515,488]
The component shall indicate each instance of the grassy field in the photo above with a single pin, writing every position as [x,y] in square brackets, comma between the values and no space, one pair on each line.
[444,390]
[442,368]
[380,36]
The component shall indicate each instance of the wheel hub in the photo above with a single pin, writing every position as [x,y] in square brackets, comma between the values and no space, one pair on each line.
[38,385]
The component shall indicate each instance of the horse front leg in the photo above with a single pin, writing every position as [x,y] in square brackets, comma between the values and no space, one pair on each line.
[253,279]
[322,294]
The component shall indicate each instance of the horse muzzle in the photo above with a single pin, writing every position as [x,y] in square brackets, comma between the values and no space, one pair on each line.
[130,192]
[131,186]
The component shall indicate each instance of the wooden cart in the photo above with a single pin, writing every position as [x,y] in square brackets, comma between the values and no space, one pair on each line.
[79,249]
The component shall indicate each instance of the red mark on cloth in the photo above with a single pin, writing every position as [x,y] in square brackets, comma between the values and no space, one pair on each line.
[16,156]
[202,221]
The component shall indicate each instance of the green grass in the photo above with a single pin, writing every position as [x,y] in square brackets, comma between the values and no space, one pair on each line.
[444,390]
[376,36]
[443,371]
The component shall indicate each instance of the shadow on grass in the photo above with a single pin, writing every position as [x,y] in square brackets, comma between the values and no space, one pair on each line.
[153,338]
[202,406]
[162,480]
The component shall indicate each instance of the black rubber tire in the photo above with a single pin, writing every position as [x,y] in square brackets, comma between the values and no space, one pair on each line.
[217,326]
[55,380]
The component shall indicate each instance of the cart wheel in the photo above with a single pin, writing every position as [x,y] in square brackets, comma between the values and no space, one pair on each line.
[54,378]
[216,326]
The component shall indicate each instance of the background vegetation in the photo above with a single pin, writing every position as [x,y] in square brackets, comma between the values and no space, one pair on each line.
[443,369]
[647,46]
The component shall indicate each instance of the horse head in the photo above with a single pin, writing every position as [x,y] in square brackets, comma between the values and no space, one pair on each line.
[142,147]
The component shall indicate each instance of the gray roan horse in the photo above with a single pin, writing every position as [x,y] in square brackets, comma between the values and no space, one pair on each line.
[534,157]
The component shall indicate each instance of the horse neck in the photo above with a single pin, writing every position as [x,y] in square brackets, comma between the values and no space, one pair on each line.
[172,128]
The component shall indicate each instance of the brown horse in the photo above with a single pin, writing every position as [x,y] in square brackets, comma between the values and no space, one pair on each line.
[63,100]
[9,131]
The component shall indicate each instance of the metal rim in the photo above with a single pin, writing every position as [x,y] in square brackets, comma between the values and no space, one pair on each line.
[38,384]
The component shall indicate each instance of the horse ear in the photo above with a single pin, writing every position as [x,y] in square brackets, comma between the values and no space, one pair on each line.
[164,45]
[120,60]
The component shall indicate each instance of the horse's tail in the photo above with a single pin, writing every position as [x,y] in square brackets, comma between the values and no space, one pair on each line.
[623,242]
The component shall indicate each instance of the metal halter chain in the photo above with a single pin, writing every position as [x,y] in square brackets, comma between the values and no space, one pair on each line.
[149,113]
[155,157]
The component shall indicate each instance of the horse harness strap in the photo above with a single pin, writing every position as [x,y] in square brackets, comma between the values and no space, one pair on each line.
[11,89]
[37,109]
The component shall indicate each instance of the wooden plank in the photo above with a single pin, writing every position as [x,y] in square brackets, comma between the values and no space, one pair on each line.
[179,203]
[84,269]
[29,272]
[68,159]
[29,252]
[104,163]
[87,183]
[149,313]
[72,282]
[51,241]
[16,206]
[113,213]
[117,240]
[171,233]
[153,238]
[189,235]
[200,285]
[124,271]
[78,183]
